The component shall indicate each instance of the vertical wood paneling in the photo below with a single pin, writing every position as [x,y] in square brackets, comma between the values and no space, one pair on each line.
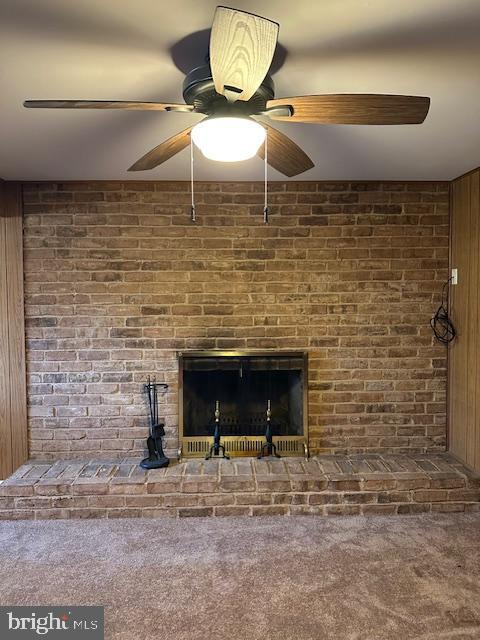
[473,324]
[452,410]
[475,438]
[464,356]
[15,301]
[13,414]
[461,311]
[5,431]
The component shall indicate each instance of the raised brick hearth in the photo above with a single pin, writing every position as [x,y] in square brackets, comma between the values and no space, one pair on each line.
[327,485]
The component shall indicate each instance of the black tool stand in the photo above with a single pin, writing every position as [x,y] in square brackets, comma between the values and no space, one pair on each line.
[156,457]
[269,448]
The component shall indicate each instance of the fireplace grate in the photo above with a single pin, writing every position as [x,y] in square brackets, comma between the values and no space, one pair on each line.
[243,446]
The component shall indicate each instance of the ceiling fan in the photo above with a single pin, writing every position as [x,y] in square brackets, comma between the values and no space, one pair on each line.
[234,88]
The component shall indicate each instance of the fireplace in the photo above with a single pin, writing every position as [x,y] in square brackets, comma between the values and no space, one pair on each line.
[242,386]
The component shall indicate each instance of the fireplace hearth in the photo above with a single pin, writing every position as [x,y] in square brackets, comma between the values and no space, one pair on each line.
[246,389]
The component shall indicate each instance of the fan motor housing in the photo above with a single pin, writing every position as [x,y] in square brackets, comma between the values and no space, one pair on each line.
[199,90]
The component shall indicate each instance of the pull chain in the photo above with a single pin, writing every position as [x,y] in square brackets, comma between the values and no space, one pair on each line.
[265,204]
[193,215]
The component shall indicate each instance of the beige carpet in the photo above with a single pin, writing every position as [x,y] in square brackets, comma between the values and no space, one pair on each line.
[378,578]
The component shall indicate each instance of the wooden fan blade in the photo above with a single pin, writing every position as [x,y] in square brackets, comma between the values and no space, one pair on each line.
[106,104]
[163,151]
[241,51]
[354,109]
[283,154]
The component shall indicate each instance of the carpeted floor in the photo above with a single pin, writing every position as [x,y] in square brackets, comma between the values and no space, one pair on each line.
[377,578]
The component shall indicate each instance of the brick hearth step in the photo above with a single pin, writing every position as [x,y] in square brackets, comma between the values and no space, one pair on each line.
[325,485]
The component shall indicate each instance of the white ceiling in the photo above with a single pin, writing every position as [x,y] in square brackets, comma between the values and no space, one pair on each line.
[122,49]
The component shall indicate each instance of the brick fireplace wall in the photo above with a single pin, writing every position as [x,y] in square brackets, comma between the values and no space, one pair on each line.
[118,280]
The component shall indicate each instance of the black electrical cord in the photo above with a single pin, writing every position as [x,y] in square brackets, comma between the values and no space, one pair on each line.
[441,324]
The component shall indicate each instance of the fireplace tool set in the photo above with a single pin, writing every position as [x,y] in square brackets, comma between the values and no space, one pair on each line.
[156,457]
[217,450]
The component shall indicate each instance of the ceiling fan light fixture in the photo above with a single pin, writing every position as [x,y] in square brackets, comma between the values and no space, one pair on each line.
[234,87]
[228,139]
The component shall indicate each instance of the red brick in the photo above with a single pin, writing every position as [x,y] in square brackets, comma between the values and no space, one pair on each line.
[232,511]
[195,512]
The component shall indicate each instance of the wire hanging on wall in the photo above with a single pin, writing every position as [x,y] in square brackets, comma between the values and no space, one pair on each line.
[441,324]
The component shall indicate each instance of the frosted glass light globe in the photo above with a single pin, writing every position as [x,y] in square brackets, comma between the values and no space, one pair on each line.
[228,139]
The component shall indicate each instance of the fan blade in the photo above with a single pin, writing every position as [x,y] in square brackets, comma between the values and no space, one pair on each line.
[241,51]
[354,109]
[163,151]
[284,154]
[106,104]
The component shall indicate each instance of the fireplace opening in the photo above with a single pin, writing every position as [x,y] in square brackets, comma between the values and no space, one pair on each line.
[242,387]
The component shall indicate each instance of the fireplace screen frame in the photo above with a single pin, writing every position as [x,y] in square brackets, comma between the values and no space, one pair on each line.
[241,446]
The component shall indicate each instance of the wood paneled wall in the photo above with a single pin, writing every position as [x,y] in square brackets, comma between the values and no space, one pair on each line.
[464,352]
[13,408]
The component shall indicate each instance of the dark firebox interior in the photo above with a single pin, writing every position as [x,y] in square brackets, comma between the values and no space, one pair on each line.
[243,386]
